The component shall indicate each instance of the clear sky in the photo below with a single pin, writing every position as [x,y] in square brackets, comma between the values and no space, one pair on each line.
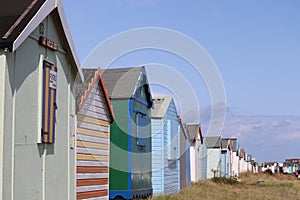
[255,45]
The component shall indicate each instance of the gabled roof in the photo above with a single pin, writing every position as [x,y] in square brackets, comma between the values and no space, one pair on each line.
[225,143]
[122,83]
[241,152]
[183,129]
[160,106]
[194,130]
[82,90]
[18,19]
[213,141]
[233,144]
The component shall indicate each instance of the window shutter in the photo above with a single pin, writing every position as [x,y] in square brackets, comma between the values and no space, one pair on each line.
[49,102]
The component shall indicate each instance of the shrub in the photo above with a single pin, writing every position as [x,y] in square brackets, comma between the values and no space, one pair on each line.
[224,180]
[269,171]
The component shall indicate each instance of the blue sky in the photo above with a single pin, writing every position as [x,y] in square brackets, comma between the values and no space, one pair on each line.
[255,45]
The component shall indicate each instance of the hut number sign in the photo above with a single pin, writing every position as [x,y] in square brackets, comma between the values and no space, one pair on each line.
[52,79]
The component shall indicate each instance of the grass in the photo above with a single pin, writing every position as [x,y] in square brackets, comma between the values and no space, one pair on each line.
[275,187]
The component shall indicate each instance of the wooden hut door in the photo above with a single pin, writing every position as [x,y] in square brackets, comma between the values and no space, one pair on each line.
[49,102]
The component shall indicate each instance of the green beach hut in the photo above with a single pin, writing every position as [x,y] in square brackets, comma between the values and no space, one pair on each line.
[130,139]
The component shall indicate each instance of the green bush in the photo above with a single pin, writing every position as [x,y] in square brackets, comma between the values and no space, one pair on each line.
[224,180]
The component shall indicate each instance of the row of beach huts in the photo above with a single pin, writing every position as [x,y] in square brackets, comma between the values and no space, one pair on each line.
[290,166]
[72,133]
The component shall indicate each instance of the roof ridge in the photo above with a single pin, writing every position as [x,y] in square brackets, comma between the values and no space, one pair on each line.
[164,104]
[97,75]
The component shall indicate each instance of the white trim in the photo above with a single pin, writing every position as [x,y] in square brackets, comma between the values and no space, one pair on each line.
[67,32]
[2,91]
[92,151]
[68,141]
[40,98]
[91,175]
[13,125]
[73,131]
[44,171]
[92,163]
[91,188]
[42,13]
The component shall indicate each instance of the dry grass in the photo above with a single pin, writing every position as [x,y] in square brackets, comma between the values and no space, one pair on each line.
[275,187]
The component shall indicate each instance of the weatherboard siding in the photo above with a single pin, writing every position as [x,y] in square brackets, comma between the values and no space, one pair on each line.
[92,153]
[157,156]
[165,165]
[119,145]
[199,160]
[183,159]
[228,170]
[172,169]
[213,162]
[140,160]
[204,160]
[223,163]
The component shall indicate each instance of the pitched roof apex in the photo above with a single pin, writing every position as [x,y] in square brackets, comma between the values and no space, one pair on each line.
[97,76]
[43,11]
[160,106]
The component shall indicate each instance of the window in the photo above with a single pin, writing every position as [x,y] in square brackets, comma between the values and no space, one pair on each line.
[142,92]
[141,123]
[49,102]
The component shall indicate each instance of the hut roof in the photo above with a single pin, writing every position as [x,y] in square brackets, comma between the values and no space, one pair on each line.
[160,106]
[122,83]
[194,130]
[18,19]
[213,141]
[82,90]
[225,143]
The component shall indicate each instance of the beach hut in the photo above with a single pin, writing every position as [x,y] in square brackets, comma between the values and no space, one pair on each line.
[242,162]
[234,159]
[294,165]
[213,156]
[198,158]
[272,167]
[130,138]
[165,146]
[185,163]
[225,157]
[255,167]
[249,163]
[38,68]
[94,116]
